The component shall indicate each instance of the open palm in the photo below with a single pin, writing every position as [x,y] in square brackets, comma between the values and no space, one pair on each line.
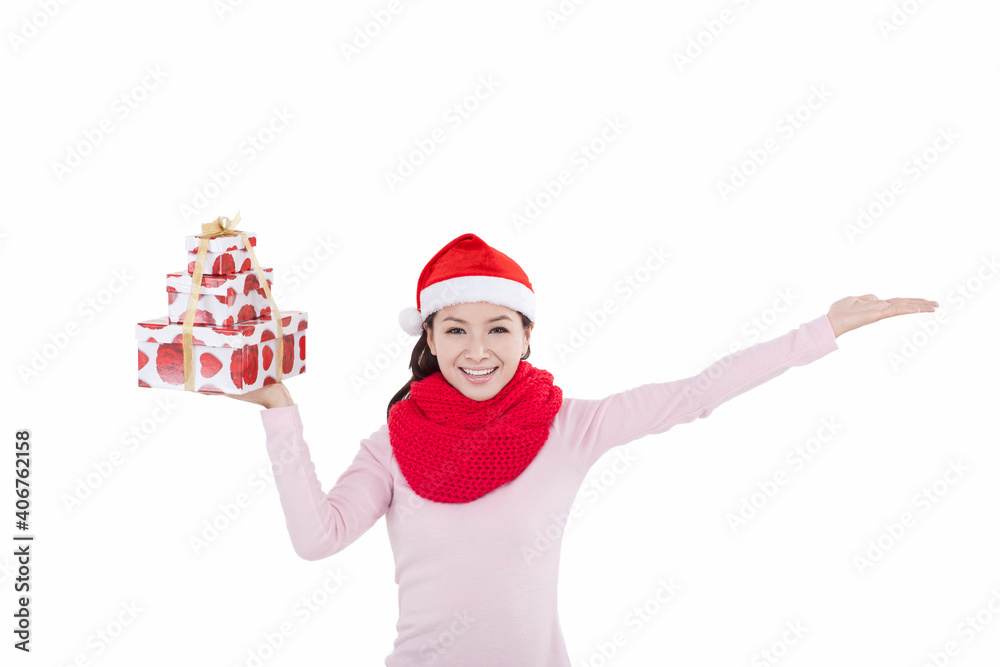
[852,312]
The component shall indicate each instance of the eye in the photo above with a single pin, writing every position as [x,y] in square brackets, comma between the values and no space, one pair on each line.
[501,329]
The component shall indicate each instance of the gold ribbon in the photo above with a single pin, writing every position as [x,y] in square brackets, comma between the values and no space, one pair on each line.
[223,226]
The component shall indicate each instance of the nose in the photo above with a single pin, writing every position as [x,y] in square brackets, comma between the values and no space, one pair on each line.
[477,350]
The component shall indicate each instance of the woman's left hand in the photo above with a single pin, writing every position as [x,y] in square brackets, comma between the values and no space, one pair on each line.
[852,312]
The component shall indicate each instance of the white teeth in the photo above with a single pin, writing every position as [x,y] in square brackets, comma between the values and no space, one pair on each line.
[477,373]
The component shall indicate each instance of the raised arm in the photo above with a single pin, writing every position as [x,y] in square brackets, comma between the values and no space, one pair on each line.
[589,428]
[322,523]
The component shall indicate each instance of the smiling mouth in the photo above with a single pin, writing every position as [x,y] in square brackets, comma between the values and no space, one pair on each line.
[479,374]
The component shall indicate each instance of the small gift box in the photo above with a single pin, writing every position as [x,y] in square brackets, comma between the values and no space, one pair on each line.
[231,359]
[226,254]
[222,300]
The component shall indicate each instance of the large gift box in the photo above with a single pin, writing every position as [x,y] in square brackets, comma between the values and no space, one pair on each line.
[226,254]
[232,359]
[223,331]
[222,300]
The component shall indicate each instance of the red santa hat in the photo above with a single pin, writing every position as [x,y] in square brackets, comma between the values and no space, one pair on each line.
[467,270]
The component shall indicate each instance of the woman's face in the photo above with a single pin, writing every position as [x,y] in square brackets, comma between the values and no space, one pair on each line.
[478,336]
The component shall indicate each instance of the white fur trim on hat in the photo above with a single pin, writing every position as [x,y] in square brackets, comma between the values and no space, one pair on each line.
[411,321]
[469,289]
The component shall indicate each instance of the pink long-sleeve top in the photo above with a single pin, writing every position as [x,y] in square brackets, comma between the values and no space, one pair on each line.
[469,572]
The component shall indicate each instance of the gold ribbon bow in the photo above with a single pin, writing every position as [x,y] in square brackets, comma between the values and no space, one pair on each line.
[223,226]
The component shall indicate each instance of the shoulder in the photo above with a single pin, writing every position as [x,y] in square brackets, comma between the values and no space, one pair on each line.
[572,412]
[576,415]
[379,445]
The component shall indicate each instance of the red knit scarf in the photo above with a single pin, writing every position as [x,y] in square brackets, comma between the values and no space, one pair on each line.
[453,449]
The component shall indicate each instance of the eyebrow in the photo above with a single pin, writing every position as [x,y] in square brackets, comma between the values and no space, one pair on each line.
[495,319]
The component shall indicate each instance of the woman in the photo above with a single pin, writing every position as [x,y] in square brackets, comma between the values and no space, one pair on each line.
[480,455]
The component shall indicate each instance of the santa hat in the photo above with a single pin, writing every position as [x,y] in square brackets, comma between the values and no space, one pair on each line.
[467,270]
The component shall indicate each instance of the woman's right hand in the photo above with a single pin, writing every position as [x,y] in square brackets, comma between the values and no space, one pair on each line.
[274,395]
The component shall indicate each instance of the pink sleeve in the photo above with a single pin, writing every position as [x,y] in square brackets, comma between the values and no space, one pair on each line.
[322,523]
[589,428]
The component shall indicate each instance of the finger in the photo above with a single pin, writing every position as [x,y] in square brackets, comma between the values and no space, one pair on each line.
[899,308]
[923,305]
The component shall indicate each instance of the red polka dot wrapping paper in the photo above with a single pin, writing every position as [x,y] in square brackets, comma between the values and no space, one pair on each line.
[232,359]
[225,255]
[222,300]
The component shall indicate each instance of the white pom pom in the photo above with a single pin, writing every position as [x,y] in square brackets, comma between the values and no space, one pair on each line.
[411,321]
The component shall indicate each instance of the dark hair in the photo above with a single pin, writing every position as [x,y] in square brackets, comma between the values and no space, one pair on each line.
[424,364]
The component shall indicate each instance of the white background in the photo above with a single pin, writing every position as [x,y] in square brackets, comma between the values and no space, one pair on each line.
[107,230]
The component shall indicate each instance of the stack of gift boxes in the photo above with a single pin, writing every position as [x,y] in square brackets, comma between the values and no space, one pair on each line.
[233,334]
